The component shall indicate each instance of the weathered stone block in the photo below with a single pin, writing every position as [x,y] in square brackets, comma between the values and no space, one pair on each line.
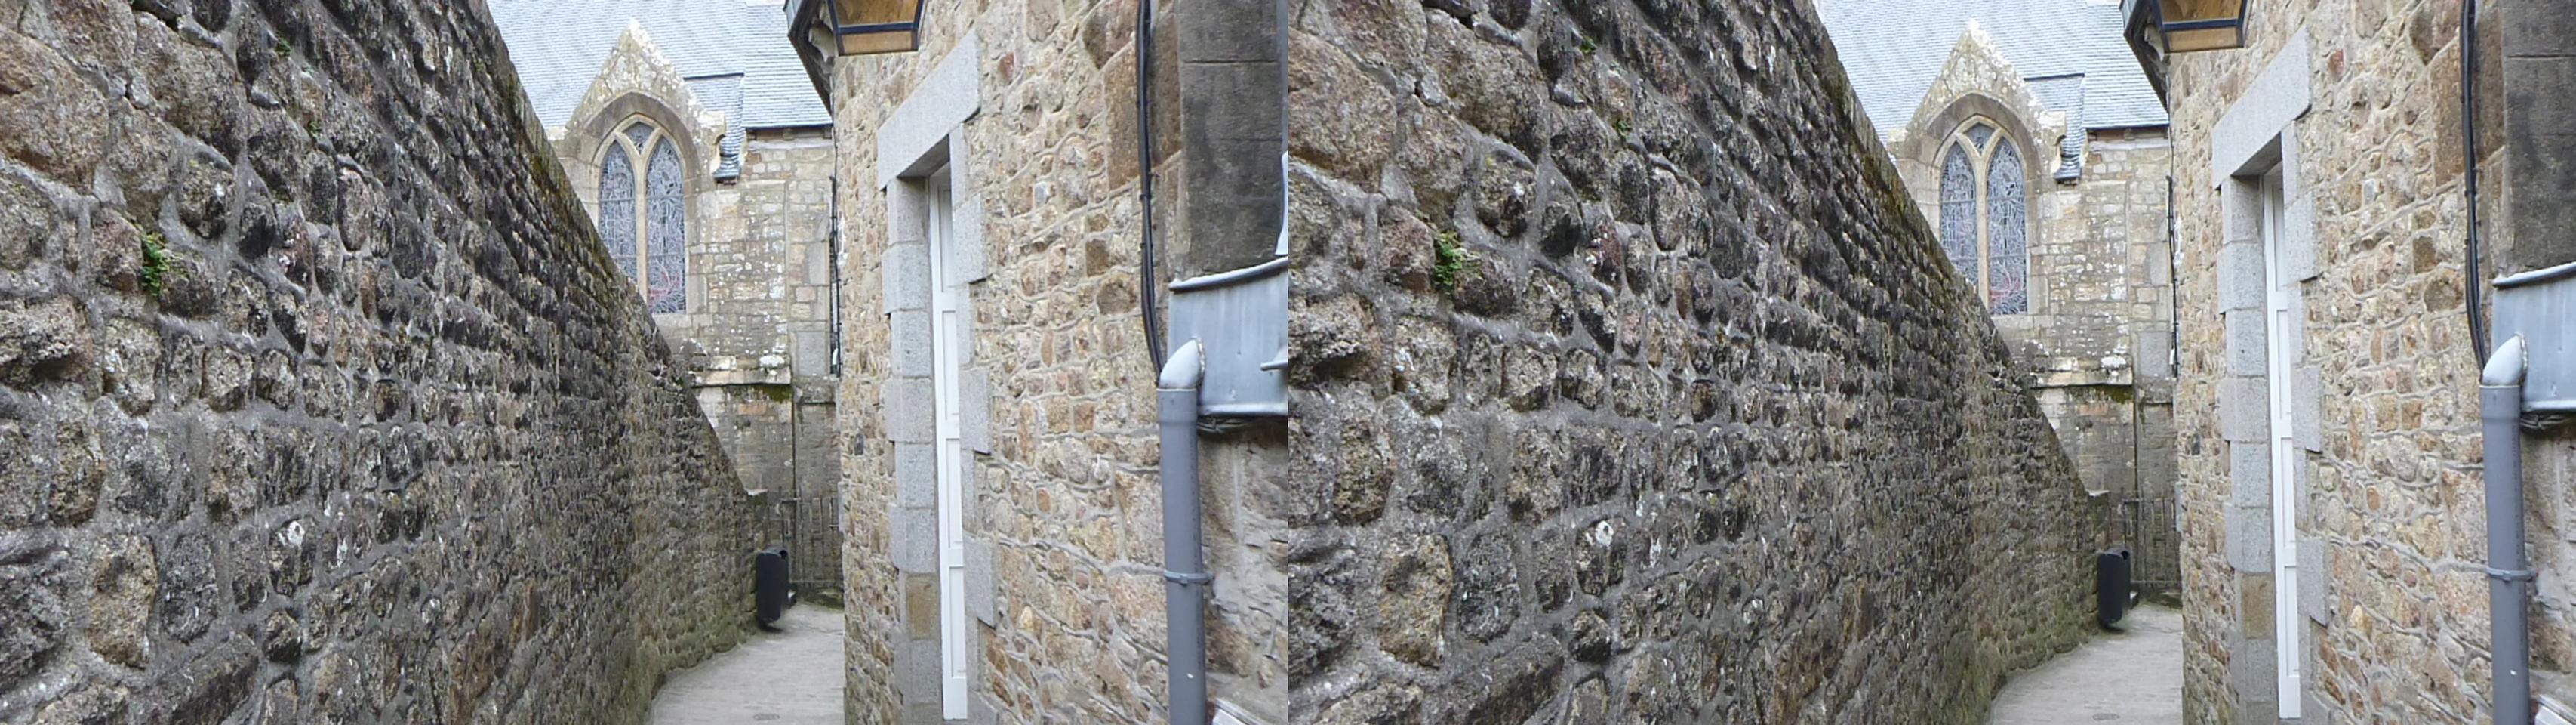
[2307,409]
[906,282]
[909,344]
[32,610]
[52,108]
[2313,582]
[2249,474]
[44,340]
[1414,599]
[2244,410]
[916,671]
[2249,539]
[913,539]
[2240,276]
[2298,242]
[126,580]
[2247,355]
[2252,671]
[1489,592]
[968,251]
[980,600]
[908,406]
[975,410]
[916,476]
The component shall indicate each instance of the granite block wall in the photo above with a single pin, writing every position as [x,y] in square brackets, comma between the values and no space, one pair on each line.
[323,402]
[1629,387]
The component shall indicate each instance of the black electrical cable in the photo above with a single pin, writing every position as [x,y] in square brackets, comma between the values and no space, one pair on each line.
[1145,282]
[2469,182]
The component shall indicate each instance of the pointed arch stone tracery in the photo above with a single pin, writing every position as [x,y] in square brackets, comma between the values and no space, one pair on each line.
[643,211]
[1984,213]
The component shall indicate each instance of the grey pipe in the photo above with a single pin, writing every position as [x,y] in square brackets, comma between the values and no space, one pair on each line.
[1185,576]
[2509,593]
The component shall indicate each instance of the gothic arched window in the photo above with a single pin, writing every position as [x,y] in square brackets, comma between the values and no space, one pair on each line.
[645,225]
[1984,215]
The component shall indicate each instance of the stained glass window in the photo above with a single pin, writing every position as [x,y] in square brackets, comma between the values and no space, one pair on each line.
[665,232]
[1959,210]
[640,135]
[617,208]
[1985,215]
[645,225]
[2007,270]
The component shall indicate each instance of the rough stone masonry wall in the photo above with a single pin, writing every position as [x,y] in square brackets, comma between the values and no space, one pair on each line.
[1063,506]
[768,283]
[2116,274]
[323,403]
[2391,519]
[755,337]
[2098,335]
[1631,388]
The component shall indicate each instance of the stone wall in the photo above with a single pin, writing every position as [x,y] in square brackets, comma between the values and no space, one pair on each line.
[766,281]
[756,335]
[760,274]
[2111,394]
[2363,99]
[1030,107]
[1631,388]
[2097,338]
[326,405]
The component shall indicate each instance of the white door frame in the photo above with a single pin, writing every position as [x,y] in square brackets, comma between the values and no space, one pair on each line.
[2280,340]
[948,356]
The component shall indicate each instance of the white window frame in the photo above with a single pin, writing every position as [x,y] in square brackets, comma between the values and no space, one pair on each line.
[2280,338]
[948,356]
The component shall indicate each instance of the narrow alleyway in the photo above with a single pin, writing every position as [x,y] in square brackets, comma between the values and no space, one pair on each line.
[2132,677]
[789,677]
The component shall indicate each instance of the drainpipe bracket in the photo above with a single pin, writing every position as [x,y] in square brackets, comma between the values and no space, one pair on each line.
[1186,578]
[2511,575]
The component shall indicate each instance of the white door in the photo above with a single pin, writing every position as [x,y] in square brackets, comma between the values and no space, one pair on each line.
[2280,336]
[948,350]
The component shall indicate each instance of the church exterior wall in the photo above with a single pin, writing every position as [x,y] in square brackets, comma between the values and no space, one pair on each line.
[756,334]
[2096,341]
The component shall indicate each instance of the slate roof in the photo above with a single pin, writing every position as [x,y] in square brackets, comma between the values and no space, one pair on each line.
[733,53]
[2069,51]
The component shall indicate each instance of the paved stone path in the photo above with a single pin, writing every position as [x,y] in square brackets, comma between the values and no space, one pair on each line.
[2127,678]
[791,677]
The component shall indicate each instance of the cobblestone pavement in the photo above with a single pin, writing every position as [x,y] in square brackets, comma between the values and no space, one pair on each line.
[789,677]
[2129,678]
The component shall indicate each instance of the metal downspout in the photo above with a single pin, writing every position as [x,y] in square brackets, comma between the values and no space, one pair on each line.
[1185,574]
[2509,592]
